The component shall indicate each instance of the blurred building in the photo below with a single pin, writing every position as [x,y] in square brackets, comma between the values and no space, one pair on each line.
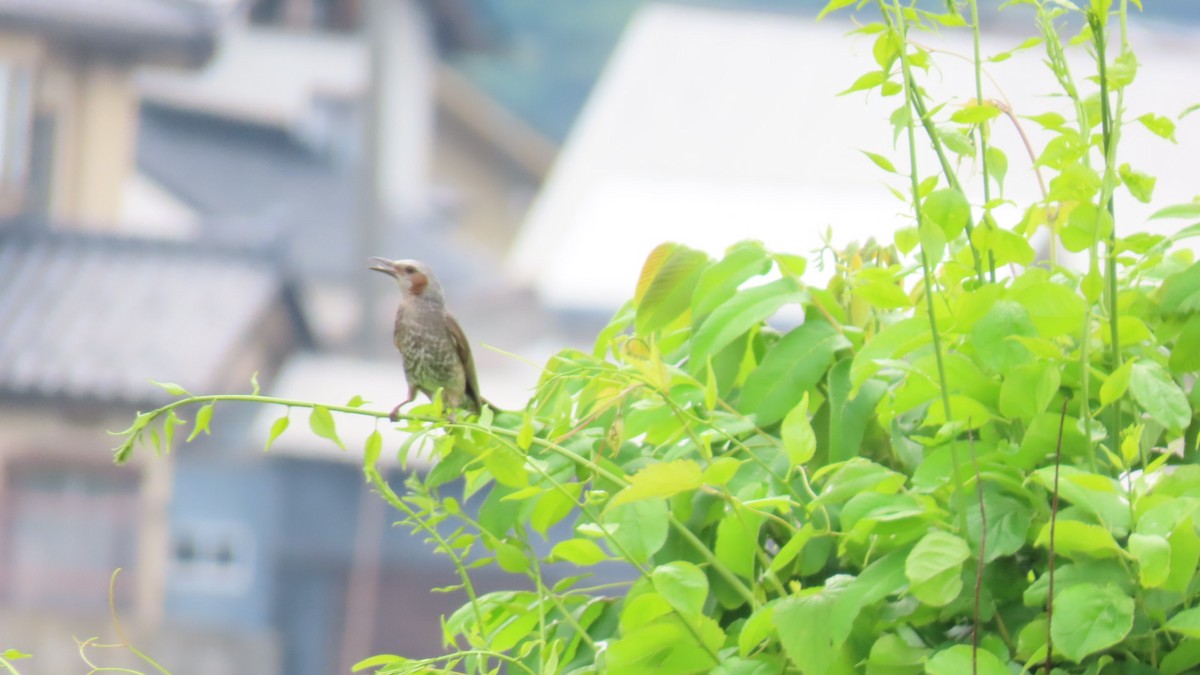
[709,126]
[180,199]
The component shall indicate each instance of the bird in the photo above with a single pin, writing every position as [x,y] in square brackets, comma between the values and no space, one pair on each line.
[434,347]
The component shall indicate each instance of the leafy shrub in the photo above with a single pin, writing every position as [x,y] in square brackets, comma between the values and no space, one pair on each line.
[960,459]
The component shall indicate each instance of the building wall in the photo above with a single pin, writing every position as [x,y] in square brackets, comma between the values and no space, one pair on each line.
[492,193]
[95,111]
[87,109]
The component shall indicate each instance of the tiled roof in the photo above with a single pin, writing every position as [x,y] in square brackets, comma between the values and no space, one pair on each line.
[245,181]
[94,318]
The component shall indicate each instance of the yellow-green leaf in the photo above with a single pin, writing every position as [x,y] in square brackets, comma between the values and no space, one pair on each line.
[373,447]
[799,441]
[661,479]
[321,423]
[203,417]
[278,427]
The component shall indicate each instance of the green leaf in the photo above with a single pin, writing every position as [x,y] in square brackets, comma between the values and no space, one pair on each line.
[1086,225]
[1051,121]
[992,336]
[1182,659]
[975,113]
[203,417]
[171,388]
[1159,395]
[850,417]
[790,368]
[855,476]
[1153,554]
[880,161]
[719,282]
[757,628]
[736,316]
[1185,353]
[961,659]
[661,479]
[664,289]
[1075,182]
[511,558]
[810,639]
[949,210]
[321,423]
[553,506]
[582,552]
[1008,521]
[1186,210]
[506,465]
[372,449]
[799,441]
[1063,150]
[1158,125]
[791,265]
[278,427]
[169,426]
[1116,384]
[683,585]
[886,48]
[721,470]
[882,295]
[1073,538]
[867,81]
[934,568]
[833,6]
[737,541]
[643,610]
[891,655]
[1053,308]
[1185,556]
[793,547]
[355,401]
[15,655]
[1088,618]
[893,342]
[525,434]
[1181,292]
[1028,389]
[997,164]
[1122,71]
[1140,185]
[640,528]
[963,409]
[1185,622]
[906,239]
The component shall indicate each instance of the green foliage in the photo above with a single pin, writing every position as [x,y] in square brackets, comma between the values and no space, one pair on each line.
[8,656]
[954,459]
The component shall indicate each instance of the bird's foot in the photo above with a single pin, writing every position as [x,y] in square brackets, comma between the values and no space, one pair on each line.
[395,414]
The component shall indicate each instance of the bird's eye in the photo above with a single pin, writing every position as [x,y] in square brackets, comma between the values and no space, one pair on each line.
[409,269]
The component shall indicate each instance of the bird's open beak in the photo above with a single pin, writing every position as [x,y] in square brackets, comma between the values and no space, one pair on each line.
[382,265]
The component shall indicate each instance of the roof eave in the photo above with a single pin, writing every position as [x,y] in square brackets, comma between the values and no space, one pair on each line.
[189,45]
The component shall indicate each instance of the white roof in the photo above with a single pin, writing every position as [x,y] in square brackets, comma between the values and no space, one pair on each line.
[710,126]
[263,75]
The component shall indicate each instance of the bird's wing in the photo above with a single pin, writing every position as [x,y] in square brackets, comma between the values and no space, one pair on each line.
[464,356]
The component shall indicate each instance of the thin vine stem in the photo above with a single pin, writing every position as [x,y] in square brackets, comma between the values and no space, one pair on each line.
[1062,419]
[926,269]
[981,128]
[396,502]
[1109,135]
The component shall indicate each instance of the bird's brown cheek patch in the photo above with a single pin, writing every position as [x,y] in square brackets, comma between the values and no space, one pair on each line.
[419,282]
